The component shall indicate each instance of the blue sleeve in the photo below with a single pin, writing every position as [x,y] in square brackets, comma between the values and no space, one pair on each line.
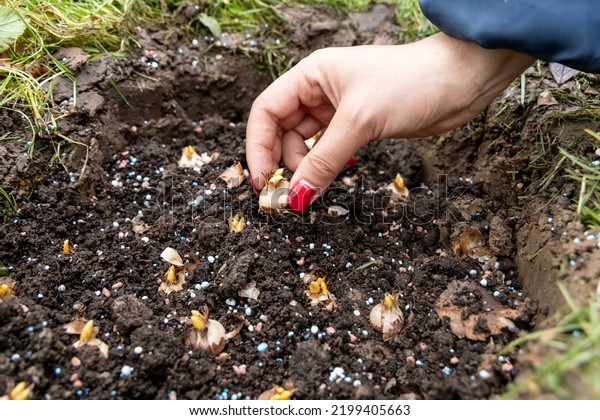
[562,31]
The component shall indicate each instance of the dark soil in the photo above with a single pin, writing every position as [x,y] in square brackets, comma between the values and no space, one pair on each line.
[380,247]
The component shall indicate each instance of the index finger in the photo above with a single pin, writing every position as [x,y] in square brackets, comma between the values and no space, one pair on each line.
[278,109]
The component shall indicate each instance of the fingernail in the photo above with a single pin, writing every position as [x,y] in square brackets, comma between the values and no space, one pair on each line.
[252,183]
[301,195]
[350,162]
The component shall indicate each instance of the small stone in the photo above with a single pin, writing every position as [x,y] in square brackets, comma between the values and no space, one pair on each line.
[117,285]
[138,350]
[484,374]
[507,367]
[126,370]
[455,360]
[75,362]
[239,370]
[483,282]
[330,330]
[106,292]
[262,347]
[314,329]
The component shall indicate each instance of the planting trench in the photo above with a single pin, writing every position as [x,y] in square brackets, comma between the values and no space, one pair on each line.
[462,300]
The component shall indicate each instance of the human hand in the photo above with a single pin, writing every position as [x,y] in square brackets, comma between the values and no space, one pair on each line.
[369,93]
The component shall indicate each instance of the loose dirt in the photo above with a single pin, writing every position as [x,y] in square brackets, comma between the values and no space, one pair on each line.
[462,300]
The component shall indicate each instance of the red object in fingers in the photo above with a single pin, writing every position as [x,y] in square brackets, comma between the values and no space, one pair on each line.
[350,162]
[300,196]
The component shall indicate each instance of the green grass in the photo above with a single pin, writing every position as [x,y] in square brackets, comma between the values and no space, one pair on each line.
[8,204]
[569,154]
[106,26]
[575,160]
[565,359]
[586,172]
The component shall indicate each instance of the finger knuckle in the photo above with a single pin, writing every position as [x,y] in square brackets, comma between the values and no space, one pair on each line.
[322,164]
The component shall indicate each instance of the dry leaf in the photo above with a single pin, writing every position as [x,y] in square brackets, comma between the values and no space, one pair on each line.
[546,98]
[190,266]
[491,320]
[562,73]
[470,243]
[172,257]
[337,211]
[250,291]
[75,327]
[138,225]
[233,176]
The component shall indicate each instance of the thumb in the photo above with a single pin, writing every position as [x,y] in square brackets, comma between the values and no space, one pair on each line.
[325,161]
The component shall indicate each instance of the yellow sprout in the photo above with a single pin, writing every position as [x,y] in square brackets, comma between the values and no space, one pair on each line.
[172,274]
[237,223]
[318,292]
[314,287]
[273,197]
[278,393]
[188,152]
[399,182]
[389,301]
[68,247]
[199,320]
[87,333]
[6,290]
[276,177]
[175,275]
[282,394]
[398,188]
[20,392]
[318,286]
